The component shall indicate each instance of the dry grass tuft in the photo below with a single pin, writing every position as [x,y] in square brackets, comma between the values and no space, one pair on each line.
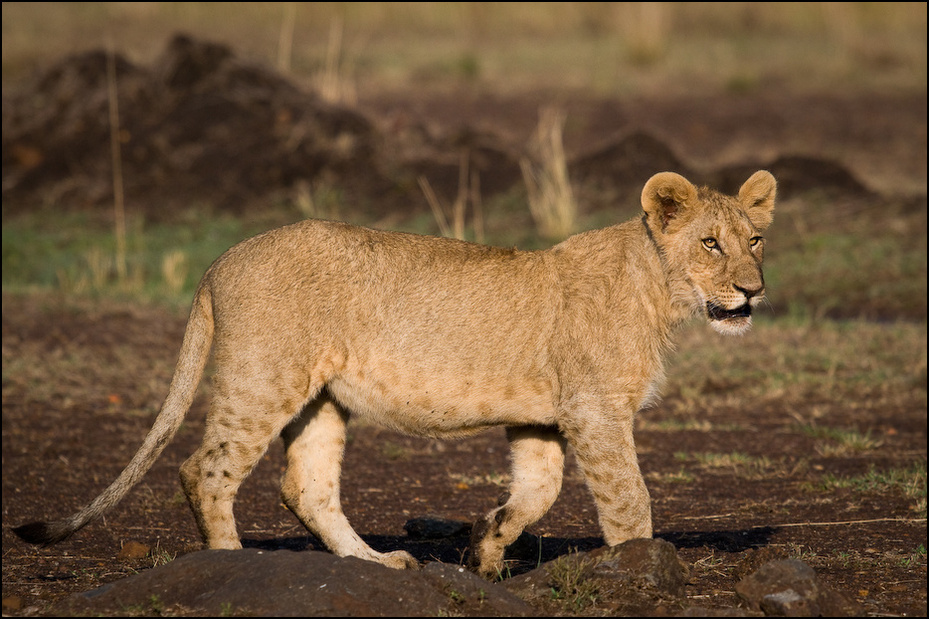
[551,198]
[332,83]
[468,191]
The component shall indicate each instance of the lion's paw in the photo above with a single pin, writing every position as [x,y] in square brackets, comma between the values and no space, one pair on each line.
[400,560]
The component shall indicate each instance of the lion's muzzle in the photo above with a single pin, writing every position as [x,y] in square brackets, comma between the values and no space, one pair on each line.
[718,312]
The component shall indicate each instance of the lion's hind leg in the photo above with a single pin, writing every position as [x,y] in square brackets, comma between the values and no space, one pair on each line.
[315,444]
[537,459]
[239,429]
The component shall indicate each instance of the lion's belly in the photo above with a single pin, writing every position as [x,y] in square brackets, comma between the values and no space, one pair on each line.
[445,404]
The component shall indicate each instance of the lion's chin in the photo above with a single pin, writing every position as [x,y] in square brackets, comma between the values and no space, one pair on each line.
[732,326]
[729,322]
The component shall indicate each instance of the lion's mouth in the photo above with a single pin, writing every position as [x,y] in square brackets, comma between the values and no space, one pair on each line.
[717,312]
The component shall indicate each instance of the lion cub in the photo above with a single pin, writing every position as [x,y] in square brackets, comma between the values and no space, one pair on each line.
[320,320]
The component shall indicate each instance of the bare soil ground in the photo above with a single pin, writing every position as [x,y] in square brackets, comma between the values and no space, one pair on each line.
[71,422]
[65,438]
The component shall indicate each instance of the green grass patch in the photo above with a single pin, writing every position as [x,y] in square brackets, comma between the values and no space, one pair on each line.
[681,476]
[849,276]
[917,557]
[685,425]
[572,583]
[910,481]
[861,364]
[840,442]
[74,254]
[741,465]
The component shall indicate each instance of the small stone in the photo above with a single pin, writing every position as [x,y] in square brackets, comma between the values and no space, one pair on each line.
[132,551]
[12,603]
[791,588]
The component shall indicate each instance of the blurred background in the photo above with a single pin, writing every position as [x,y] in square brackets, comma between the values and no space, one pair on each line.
[129,120]
[607,47]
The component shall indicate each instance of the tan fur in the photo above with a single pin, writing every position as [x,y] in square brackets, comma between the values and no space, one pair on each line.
[319,320]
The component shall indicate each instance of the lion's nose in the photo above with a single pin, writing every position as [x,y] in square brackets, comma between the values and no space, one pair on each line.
[749,292]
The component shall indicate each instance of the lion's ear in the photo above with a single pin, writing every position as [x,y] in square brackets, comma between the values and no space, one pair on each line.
[665,196]
[757,198]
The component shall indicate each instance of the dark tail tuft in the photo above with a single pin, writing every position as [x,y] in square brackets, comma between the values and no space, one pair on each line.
[43,533]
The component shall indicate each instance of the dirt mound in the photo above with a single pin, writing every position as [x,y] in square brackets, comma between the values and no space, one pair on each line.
[619,167]
[203,127]
[626,161]
[796,175]
[199,126]
[614,173]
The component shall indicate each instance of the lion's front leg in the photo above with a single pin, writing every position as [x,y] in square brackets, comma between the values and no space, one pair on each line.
[537,462]
[606,454]
[315,444]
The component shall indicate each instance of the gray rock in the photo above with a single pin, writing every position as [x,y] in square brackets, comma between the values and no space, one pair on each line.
[650,564]
[638,576]
[790,588]
[285,583]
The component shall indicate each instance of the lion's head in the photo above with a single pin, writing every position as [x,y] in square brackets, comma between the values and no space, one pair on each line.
[714,242]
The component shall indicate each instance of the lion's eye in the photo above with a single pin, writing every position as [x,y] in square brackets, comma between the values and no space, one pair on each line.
[755,241]
[710,243]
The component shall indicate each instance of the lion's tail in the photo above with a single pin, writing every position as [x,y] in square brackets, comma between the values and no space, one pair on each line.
[195,351]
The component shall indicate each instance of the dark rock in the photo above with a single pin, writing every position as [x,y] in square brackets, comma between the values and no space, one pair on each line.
[648,564]
[636,577]
[754,558]
[284,583]
[471,595]
[533,586]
